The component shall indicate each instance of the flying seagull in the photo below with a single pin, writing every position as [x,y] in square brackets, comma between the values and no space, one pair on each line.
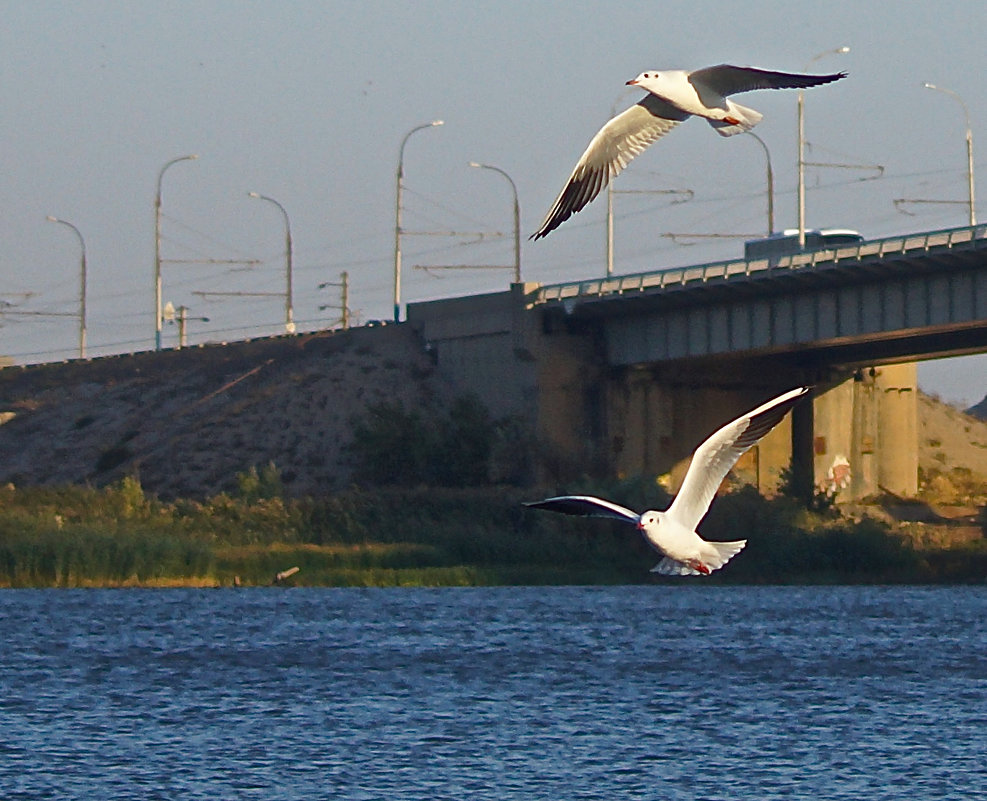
[673,532]
[673,96]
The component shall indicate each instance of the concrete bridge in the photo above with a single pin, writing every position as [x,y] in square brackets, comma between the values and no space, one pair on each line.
[626,374]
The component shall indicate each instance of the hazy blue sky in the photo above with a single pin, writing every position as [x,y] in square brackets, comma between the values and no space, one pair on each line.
[307,102]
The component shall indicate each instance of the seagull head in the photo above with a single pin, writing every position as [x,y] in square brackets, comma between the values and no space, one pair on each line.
[647,80]
[648,520]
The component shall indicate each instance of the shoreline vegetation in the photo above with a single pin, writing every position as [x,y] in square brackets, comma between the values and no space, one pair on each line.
[120,536]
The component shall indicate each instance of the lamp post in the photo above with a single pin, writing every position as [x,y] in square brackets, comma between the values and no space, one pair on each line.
[397,217]
[969,148]
[82,284]
[289,321]
[157,249]
[771,183]
[517,218]
[610,190]
[801,143]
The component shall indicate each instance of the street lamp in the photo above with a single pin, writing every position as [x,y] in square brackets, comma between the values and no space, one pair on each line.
[801,143]
[397,217]
[969,147]
[517,218]
[610,191]
[82,285]
[289,321]
[771,183]
[157,250]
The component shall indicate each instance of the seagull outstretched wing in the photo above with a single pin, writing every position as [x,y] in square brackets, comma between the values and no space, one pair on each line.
[714,458]
[726,79]
[586,506]
[620,140]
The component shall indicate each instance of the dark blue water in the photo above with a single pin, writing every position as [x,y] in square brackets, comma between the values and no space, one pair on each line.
[687,692]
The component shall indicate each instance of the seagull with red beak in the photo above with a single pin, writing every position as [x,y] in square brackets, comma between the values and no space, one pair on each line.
[673,96]
[673,532]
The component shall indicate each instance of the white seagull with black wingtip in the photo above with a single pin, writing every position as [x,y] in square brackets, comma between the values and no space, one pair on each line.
[673,532]
[673,96]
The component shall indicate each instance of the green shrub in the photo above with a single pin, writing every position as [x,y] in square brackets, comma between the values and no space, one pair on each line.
[80,536]
[253,486]
[395,447]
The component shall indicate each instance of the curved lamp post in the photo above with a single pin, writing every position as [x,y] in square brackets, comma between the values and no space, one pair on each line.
[969,148]
[517,218]
[801,142]
[397,216]
[771,183]
[157,249]
[82,284]
[289,320]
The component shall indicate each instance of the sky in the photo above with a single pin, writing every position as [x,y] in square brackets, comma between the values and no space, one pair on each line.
[308,102]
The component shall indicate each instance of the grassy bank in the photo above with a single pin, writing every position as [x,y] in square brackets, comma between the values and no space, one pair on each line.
[119,536]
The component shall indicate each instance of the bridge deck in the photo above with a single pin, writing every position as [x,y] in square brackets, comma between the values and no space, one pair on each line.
[947,240]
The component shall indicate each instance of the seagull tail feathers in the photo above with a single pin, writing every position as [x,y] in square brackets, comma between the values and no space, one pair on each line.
[714,558]
[725,551]
[672,567]
[746,118]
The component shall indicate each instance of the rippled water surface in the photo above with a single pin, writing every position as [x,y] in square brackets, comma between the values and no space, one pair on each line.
[685,692]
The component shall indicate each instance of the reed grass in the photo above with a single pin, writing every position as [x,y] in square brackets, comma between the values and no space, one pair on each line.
[120,536]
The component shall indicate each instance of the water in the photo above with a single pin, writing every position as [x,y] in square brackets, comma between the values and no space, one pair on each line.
[685,692]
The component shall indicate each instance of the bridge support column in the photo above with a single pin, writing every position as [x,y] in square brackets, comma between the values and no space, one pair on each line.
[803,434]
[898,428]
[866,437]
[639,412]
[655,422]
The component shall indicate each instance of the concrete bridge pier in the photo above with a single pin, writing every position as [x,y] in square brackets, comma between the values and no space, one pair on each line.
[866,437]
[654,423]
[584,416]
[898,428]
[857,438]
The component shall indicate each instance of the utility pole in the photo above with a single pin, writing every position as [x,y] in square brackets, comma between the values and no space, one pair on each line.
[180,316]
[686,196]
[770,179]
[801,163]
[344,301]
[157,249]
[82,284]
[971,202]
[517,217]
[183,319]
[289,315]
[397,216]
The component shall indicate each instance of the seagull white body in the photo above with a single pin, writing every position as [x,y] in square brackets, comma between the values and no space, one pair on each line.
[673,532]
[673,96]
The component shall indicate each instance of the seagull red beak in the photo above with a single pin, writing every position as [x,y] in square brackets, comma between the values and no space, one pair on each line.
[631,83]
[640,525]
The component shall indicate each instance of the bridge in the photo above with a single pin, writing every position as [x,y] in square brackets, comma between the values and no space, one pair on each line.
[626,374]
[900,297]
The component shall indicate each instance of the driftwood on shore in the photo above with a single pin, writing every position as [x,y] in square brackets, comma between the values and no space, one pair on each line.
[280,577]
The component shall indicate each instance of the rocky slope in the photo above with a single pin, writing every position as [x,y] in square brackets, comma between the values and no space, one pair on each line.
[186,422]
[951,442]
[979,410]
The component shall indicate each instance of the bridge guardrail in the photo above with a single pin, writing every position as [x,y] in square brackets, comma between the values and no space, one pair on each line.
[727,270]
